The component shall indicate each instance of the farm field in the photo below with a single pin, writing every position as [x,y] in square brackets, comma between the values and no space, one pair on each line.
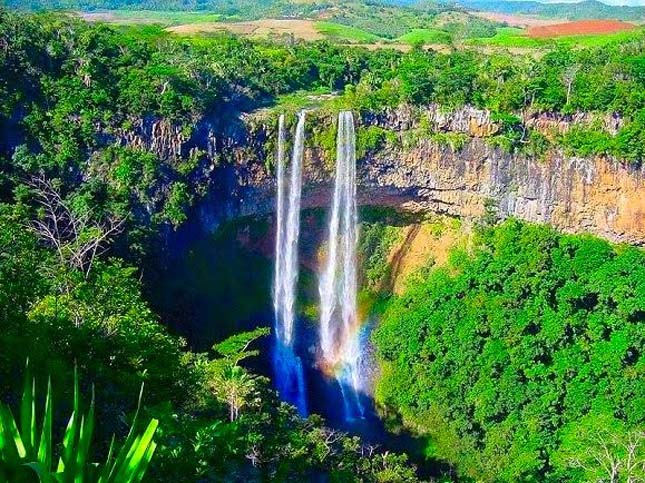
[537,34]
[510,37]
[307,30]
[345,33]
[512,20]
[425,36]
[580,27]
[161,17]
[301,29]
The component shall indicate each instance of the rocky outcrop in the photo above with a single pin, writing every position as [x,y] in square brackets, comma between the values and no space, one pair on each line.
[596,195]
[480,122]
[549,123]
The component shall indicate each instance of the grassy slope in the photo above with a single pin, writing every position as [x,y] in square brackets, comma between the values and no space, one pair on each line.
[425,36]
[508,37]
[345,33]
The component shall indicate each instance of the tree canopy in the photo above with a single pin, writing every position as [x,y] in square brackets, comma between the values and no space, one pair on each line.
[504,355]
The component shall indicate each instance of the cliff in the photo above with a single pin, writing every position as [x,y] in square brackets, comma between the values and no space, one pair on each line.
[574,195]
[412,170]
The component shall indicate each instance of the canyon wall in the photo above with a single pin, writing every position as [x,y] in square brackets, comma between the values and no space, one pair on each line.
[572,194]
[597,195]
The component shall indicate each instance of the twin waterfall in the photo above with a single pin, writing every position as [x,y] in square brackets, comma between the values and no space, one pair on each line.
[339,324]
[339,335]
[289,374]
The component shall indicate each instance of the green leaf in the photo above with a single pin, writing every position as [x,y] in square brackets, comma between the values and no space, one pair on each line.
[68,444]
[136,454]
[85,440]
[105,472]
[45,446]
[10,435]
[28,411]
[43,473]
[145,462]
[65,463]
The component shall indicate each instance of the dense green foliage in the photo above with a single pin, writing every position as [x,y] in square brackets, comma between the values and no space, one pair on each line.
[375,245]
[27,447]
[604,80]
[71,189]
[218,422]
[75,95]
[382,19]
[517,353]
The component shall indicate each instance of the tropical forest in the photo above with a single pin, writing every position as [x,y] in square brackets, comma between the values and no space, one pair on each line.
[323,241]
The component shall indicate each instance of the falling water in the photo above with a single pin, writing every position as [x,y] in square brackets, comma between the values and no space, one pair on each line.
[339,324]
[289,374]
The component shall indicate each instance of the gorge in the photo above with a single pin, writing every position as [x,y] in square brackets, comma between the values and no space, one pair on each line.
[574,194]
[248,260]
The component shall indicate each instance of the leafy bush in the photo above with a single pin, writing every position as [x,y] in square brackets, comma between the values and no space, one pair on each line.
[630,141]
[372,138]
[537,145]
[178,201]
[376,241]
[27,448]
[585,142]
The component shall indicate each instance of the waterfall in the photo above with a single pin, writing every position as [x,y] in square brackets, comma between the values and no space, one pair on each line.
[288,369]
[339,324]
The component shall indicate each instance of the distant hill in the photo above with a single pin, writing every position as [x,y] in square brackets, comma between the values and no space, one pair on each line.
[225,7]
[229,7]
[240,8]
[572,11]
[381,18]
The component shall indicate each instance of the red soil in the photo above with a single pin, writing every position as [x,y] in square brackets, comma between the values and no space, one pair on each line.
[581,27]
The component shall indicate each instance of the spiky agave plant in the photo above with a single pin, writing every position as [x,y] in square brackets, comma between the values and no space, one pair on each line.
[31,447]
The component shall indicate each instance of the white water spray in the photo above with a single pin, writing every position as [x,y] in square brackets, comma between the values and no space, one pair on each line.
[287,366]
[339,324]
[278,276]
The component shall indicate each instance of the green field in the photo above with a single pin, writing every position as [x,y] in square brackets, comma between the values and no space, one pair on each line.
[166,18]
[600,40]
[425,36]
[345,33]
[515,37]
[303,99]
[508,37]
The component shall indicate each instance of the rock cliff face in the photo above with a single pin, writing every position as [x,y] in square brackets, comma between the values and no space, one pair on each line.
[596,195]
[574,195]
